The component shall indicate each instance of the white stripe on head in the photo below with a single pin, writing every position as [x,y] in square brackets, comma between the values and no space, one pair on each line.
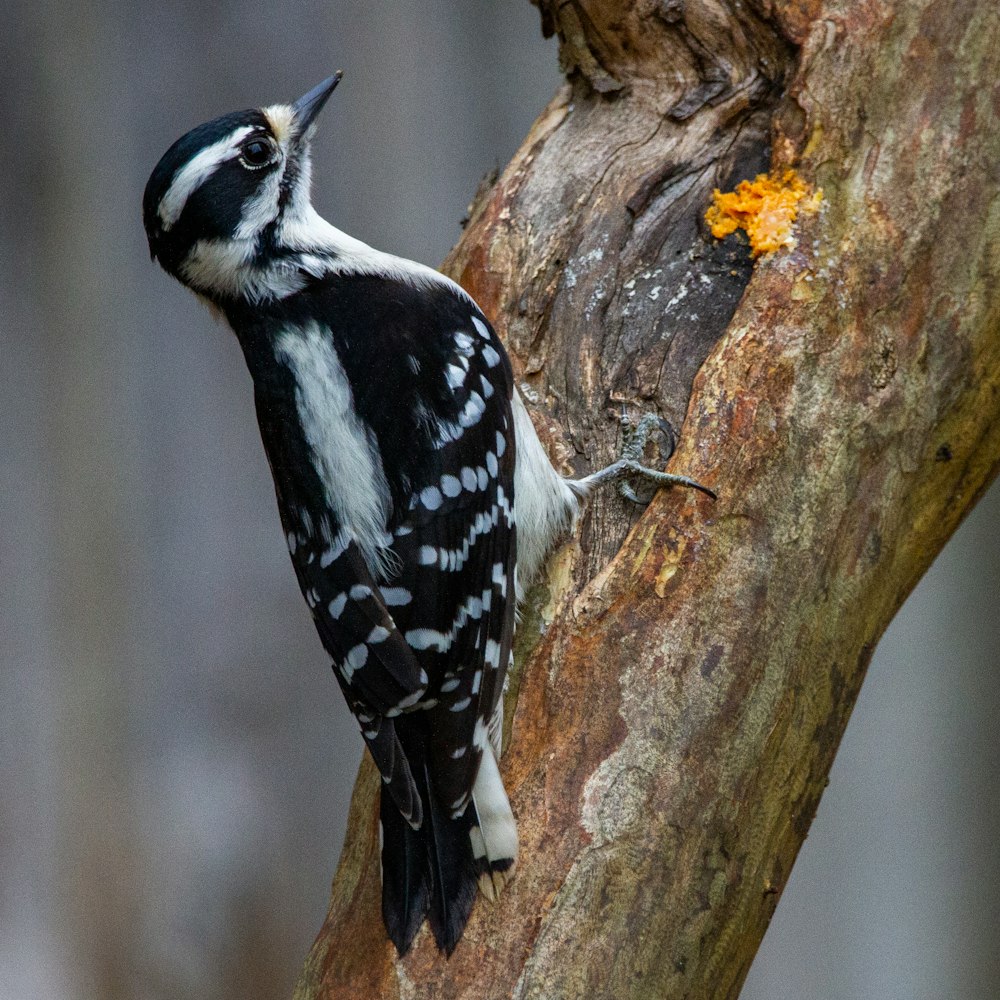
[195,172]
[261,209]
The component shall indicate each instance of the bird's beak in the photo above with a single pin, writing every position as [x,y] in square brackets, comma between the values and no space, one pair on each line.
[307,107]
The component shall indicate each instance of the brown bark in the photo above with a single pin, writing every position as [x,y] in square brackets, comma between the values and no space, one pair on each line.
[681,695]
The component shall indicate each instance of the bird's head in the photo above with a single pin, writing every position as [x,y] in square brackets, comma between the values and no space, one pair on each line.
[220,197]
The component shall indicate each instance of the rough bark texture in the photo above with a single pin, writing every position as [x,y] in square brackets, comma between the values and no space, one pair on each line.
[682,692]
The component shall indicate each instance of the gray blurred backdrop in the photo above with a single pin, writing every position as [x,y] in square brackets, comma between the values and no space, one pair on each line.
[175,760]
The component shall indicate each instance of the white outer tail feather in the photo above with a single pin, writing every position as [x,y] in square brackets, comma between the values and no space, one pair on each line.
[496,836]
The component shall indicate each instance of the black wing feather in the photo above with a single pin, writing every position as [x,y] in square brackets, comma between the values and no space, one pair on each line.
[350,612]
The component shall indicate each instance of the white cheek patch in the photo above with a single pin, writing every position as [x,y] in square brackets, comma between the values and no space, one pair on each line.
[195,172]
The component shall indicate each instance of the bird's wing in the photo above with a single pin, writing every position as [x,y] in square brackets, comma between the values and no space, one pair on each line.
[374,663]
[433,633]
[457,551]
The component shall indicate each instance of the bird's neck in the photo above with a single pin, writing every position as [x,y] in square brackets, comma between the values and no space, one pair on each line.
[284,258]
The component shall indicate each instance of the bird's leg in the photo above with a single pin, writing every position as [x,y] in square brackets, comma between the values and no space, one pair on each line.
[629,466]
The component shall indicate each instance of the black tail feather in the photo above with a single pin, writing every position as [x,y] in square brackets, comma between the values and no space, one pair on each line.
[406,887]
[429,872]
[453,872]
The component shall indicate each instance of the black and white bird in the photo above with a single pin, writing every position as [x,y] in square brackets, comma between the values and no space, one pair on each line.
[413,491]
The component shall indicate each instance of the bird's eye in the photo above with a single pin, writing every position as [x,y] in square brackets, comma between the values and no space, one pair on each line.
[256,153]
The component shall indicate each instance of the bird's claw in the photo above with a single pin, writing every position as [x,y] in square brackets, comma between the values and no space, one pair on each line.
[636,437]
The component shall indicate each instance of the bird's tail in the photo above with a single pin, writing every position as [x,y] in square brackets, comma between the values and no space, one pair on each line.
[434,871]
[492,830]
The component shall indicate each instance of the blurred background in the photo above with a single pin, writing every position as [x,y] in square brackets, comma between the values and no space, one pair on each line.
[175,759]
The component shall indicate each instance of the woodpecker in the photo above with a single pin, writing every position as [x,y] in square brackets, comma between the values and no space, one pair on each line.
[414,494]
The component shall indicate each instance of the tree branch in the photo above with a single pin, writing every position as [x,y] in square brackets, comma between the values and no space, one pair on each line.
[680,696]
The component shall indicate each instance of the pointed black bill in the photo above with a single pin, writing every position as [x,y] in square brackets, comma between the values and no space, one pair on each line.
[307,107]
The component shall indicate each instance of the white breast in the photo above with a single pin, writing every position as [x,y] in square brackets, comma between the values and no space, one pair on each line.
[545,504]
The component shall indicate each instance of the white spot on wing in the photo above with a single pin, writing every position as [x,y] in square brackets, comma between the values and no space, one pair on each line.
[472,411]
[446,433]
[408,702]
[428,638]
[492,653]
[356,658]
[490,356]
[396,597]
[430,497]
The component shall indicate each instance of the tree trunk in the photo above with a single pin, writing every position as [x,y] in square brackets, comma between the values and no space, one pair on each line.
[685,673]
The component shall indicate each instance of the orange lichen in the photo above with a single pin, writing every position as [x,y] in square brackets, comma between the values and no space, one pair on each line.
[765,207]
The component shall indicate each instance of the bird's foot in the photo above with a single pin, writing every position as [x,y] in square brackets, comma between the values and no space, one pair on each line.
[629,469]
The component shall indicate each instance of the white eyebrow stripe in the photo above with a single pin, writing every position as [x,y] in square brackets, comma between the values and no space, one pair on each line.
[195,172]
